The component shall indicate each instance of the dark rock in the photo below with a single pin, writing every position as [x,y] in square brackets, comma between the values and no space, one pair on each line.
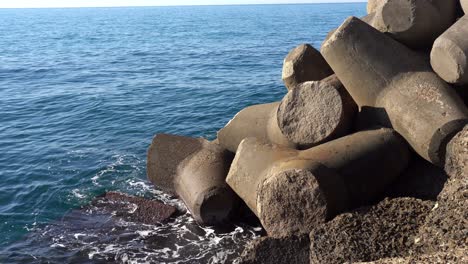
[135,209]
[385,230]
[268,250]
[446,227]
[456,163]
[452,256]
[422,180]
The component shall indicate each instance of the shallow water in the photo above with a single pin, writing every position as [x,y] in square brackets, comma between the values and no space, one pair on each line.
[83,91]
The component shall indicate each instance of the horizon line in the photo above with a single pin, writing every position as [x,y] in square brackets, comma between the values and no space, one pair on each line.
[142,6]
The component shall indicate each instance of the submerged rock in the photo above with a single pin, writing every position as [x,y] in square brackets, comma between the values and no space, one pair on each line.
[135,209]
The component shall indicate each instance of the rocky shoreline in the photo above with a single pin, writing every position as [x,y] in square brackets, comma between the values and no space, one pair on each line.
[365,160]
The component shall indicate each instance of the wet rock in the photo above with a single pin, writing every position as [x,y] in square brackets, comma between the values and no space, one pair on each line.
[135,209]
[387,229]
[304,63]
[268,250]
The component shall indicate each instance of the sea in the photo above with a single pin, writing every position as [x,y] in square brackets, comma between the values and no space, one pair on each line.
[84,90]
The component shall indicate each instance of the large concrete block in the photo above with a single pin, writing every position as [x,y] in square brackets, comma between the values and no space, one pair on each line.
[416,23]
[372,5]
[304,63]
[293,191]
[386,76]
[316,112]
[449,55]
[258,121]
[464,5]
[195,170]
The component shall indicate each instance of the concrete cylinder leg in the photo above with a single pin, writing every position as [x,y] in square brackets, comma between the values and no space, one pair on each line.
[165,154]
[383,74]
[464,5]
[372,5]
[258,121]
[293,191]
[195,170]
[449,55]
[304,63]
[416,23]
[316,112]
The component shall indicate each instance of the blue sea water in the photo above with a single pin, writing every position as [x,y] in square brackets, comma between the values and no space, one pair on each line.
[83,91]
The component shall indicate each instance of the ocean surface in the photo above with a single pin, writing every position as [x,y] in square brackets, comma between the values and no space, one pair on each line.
[83,91]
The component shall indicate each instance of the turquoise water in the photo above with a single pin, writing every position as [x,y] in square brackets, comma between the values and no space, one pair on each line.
[83,91]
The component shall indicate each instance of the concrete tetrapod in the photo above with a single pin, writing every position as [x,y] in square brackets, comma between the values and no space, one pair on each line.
[449,55]
[372,5]
[304,63]
[464,5]
[316,112]
[386,76]
[416,23]
[195,170]
[293,191]
[310,114]
[258,121]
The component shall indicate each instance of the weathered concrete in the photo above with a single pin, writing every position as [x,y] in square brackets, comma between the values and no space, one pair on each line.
[165,154]
[258,121]
[201,184]
[269,250]
[416,23]
[464,5]
[385,230]
[449,55]
[316,112]
[372,5]
[293,191]
[195,170]
[384,75]
[304,63]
